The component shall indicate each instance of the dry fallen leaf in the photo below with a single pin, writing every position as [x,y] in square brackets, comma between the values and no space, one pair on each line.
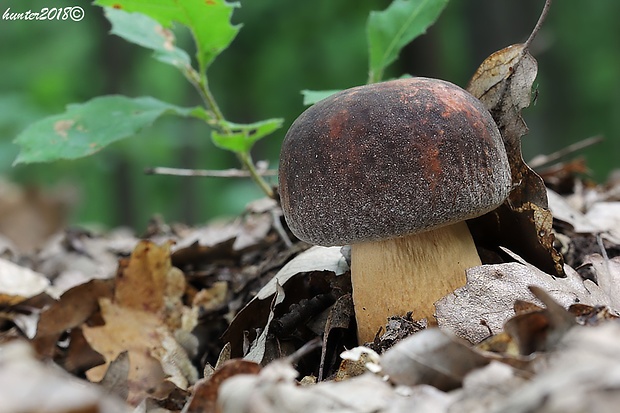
[274,389]
[601,217]
[28,216]
[503,83]
[19,283]
[142,320]
[432,357]
[607,273]
[72,309]
[205,392]
[482,306]
[28,385]
[257,314]
[154,354]
[582,376]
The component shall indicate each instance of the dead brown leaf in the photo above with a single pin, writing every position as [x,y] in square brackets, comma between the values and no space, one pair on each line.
[72,309]
[205,392]
[154,354]
[482,306]
[142,320]
[582,376]
[274,389]
[19,283]
[503,83]
[258,313]
[28,385]
[148,282]
[432,357]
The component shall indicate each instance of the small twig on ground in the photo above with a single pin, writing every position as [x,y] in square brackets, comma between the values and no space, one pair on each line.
[304,350]
[545,160]
[277,225]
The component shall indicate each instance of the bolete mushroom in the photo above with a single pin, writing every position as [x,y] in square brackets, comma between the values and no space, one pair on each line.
[394,169]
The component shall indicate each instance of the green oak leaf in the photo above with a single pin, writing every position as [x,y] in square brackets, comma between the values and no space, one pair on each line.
[241,137]
[147,32]
[88,127]
[313,96]
[392,29]
[208,20]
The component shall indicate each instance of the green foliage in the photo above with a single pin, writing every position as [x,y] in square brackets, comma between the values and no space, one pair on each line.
[388,31]
[85,129]
[241,137]
[209,22]
[147,32]
[313,96]
[395,27]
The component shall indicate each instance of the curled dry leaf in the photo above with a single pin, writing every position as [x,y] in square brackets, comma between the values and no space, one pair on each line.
[257,314]
[541,329]
[600,218]
[483,305]
[503,83]
[607,272]
[432,357]
[72,309]
[142,319]
[582,376]
[204,395]
[19,283]
[274,389]
[28,385]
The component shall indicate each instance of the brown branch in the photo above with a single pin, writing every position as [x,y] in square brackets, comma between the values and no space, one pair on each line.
[544,160]
[224,173]
[539,23]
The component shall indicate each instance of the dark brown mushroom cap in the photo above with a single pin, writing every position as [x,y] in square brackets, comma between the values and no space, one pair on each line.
[390,159]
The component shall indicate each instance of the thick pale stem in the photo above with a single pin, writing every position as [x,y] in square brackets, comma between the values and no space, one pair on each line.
[411,273]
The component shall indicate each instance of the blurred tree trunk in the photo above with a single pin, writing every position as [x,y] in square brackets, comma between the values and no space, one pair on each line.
[116,62]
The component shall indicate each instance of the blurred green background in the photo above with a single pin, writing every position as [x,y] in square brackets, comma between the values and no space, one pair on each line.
[283,47]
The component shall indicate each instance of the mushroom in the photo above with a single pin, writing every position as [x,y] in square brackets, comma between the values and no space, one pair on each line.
[394,169]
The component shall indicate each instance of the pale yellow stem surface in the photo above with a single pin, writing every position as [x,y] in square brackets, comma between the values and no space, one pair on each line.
[411,273]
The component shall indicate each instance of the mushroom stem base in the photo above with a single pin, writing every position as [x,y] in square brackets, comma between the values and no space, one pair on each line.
[395,276]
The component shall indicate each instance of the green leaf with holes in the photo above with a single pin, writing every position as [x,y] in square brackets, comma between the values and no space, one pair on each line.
[86,128]
[147,32]
[208,20]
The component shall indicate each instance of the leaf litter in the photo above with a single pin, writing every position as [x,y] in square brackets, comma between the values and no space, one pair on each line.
[242,317]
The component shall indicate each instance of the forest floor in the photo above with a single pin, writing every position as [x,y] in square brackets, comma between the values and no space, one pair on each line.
[242,317]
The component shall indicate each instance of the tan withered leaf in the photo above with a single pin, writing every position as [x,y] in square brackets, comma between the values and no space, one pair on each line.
[72,309]
[142,320]
[149,282]
[503,83]
[29,385]
[150,346]
[433,357]
[204,395]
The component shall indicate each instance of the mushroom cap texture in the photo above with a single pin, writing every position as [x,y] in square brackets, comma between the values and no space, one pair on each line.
[390,159]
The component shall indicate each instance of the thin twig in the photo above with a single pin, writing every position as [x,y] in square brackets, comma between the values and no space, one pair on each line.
[304,350]
[277,225]
[539,24]
[223,173]
[545,160]
[599,241]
